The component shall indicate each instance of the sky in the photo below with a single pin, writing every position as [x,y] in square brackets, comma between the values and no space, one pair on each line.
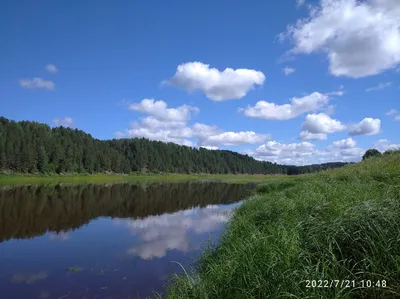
[291,81]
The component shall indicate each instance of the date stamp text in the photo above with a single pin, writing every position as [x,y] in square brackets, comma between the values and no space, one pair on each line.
[340,283]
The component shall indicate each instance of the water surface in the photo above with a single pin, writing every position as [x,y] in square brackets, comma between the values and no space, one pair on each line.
[106,241]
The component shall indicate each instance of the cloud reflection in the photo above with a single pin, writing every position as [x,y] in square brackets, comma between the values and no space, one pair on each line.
[63,236]
[29,278]
[158,234]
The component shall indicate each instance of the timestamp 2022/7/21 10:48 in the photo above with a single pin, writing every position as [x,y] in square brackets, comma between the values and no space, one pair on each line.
[340,283]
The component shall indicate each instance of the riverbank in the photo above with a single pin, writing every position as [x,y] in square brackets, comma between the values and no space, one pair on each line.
[21,179]
[335,234]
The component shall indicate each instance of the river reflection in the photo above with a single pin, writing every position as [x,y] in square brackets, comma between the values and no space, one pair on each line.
[108,241]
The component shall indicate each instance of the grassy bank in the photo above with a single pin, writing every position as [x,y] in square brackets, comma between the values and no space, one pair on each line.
[342,224]
[13,179]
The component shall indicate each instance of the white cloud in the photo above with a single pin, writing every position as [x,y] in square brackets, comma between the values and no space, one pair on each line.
[300,2]
[384,145]
[64,122]
[233,138]
[380,86]
[217,85]
[344,143]
[288,70]
[392,112]
[305,135]
[171,125]
[178,136]
[210,147]
[305,153]
[360,38]
[368,126]
[203,131]
[336,93]
[273,148]
[297,106]
[321,124]
[159,109]
[292,154]
[37,83]
[345,150]
[206,135]
[51,68]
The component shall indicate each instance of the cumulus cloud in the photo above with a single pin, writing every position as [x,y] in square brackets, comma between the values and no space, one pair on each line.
[276,151]
[288,70]
[267,110]
[171,125]
[384,145]
[344,150]
[233,138]
[37,83]
[64,122]
[368,126]
[321,124]
[159,109]
[305,135]
[380,86]
[51,68]
[206,135]
[305,153]
[359,38]
[285,153]
[344,143]
[217,85]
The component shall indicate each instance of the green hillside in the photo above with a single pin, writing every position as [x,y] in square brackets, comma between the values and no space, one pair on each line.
[340,228]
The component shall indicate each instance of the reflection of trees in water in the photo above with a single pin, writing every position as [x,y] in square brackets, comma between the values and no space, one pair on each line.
[30,211]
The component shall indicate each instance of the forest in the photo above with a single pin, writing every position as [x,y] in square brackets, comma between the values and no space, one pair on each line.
[32,147]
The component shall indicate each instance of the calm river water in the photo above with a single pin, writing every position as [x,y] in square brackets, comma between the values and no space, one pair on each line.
[106,241]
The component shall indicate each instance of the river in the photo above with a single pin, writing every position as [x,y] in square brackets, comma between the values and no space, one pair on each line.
[107,241]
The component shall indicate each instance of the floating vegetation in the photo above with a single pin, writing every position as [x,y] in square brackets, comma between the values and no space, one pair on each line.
[74,269]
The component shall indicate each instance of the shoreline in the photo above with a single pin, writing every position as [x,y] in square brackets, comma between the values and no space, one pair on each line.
[23,179]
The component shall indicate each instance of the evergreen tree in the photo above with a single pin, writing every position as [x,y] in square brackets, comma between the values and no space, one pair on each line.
[31,147]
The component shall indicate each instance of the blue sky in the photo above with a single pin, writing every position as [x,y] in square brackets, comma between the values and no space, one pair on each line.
[290,81]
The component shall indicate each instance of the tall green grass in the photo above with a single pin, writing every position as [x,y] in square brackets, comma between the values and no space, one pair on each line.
[341,224]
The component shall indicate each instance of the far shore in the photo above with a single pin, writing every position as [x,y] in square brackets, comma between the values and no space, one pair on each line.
[15,179]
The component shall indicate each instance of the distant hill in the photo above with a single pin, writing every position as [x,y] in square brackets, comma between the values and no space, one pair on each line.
[30,147]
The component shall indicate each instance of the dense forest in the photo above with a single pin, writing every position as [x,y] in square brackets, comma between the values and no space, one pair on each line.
[30,211]
[32,147]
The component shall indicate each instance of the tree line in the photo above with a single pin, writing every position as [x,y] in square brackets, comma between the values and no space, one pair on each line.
[32,147]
